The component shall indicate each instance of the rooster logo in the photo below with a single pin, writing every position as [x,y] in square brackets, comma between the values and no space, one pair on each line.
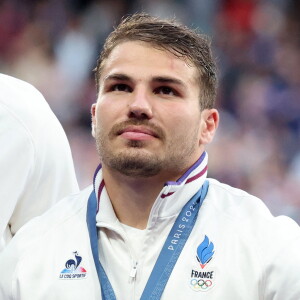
[72,266]
[205,252]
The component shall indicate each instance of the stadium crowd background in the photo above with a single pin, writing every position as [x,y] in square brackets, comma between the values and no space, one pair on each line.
[54,44]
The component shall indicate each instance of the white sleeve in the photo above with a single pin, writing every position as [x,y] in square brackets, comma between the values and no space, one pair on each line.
[282,275]
[11,256]
[36,165]
[16,165]
[52,177]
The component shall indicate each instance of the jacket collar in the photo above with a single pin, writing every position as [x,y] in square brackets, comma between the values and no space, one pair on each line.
[169,202]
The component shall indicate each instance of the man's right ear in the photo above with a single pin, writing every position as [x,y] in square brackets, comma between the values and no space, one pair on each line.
[93,115]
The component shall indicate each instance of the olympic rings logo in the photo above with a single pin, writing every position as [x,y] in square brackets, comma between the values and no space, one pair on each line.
[200,284]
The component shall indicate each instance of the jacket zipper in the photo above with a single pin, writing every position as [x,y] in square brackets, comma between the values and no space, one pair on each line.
[133,270]
[132,275]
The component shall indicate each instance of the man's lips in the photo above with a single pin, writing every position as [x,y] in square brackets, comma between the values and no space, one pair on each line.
[137,133]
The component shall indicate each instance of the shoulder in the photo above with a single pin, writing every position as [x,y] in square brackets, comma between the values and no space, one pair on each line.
[249,218]
[13,82]
[235,202]
[249,213]
[14,98]
[14,90]
[52,221]
[24,103]
[43,235]
[66,209]
[24,110]
[268,243]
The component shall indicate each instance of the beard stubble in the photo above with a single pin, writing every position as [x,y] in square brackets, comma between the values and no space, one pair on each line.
[133,160]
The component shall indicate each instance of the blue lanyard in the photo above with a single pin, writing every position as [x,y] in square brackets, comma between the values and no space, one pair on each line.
[168,255]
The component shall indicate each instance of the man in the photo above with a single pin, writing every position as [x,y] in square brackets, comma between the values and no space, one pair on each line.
[36,166]
[153,226]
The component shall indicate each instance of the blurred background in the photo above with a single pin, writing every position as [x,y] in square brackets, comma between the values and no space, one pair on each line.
[54,44]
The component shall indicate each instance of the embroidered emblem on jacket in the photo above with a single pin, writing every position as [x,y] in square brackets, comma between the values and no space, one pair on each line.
[205,252]
[73,270]
[203,280]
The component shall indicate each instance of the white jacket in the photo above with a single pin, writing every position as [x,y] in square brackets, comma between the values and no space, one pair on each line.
[36,166]
[255,256]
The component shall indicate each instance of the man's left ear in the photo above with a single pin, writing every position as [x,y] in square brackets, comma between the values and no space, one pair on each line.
[93,115]
[209,125]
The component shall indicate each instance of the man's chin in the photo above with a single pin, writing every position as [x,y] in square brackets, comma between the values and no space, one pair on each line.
[135,144]
[135,164]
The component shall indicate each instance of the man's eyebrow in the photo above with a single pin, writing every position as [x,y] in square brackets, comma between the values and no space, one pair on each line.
[157,79]
[117,76]
[163,79]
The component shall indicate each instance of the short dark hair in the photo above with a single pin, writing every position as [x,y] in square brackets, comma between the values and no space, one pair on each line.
[171,36]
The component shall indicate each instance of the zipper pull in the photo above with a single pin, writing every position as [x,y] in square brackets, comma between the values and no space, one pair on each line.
[133,270]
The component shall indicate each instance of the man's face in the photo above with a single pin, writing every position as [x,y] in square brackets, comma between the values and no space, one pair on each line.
[147,119]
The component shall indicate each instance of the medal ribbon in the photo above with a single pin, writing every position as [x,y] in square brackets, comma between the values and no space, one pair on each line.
[168,256]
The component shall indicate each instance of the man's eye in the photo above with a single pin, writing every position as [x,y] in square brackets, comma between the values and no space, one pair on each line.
[121,88]
[165,90]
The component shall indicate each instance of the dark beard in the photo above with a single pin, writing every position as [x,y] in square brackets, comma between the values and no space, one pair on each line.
[130,164]
[134,161]
[134,166]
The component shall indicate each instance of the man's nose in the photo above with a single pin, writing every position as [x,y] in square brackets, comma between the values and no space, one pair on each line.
[140,105]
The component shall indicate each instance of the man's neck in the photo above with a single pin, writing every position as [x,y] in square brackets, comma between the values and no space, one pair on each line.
[132,198]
